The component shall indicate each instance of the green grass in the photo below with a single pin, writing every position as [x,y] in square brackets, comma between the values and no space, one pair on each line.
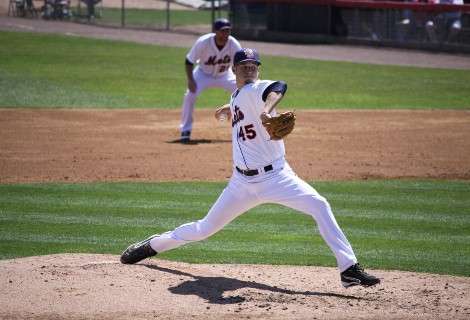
[38,70]
[155,18]
[406,225]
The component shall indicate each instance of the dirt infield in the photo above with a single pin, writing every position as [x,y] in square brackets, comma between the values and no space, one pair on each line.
[99,287]
[137,145]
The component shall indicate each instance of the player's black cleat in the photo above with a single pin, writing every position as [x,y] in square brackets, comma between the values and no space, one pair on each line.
[355,275]
[185,137]
[138,251]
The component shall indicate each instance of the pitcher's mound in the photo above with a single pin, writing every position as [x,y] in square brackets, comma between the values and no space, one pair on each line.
[78,286]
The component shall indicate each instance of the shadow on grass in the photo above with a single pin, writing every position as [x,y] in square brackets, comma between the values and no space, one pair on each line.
[212,288]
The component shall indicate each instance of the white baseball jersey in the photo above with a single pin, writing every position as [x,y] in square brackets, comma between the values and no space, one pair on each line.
[251,144]
[211,60]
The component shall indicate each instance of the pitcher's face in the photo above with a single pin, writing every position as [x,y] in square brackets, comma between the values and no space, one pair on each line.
[246,71]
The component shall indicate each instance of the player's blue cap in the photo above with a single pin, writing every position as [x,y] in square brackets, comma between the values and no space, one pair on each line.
[246,54]
[221,23]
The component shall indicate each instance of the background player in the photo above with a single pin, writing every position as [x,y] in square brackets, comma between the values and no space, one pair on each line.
[213,54]
[260,175]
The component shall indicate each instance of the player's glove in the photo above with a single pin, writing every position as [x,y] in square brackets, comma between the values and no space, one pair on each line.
[280,125]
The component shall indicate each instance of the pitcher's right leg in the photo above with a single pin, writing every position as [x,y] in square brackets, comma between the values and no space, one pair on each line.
[233,201]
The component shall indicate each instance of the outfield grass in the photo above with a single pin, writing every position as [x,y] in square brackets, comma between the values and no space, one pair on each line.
[155,18]
[407,225]
[38,70]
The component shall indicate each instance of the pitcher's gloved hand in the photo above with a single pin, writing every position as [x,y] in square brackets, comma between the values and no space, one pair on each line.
[280,125]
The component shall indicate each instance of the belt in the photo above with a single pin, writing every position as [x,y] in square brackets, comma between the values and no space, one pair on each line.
[254,172]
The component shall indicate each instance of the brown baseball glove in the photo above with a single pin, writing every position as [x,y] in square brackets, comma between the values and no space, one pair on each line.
[280,125]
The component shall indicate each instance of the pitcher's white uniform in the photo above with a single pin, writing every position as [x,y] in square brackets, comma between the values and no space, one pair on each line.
[214,69]
[273,182]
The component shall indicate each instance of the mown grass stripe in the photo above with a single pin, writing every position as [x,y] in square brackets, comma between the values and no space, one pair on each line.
[167,223]
[116,203]
[412,216]
[62,239]
[104,219]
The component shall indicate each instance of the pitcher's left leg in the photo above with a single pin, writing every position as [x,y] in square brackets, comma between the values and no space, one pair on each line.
[293,192]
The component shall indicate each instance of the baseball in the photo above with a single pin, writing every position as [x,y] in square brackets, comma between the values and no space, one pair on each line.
[222,117]
[222,113]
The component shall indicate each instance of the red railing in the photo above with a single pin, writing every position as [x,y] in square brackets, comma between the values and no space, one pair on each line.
[368,4]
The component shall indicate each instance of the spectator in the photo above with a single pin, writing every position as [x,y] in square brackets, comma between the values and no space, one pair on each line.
[449,23]
[439,27]
[90,5]
[56,9]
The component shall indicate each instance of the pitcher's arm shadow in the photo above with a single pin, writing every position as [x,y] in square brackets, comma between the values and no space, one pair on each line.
[212,288]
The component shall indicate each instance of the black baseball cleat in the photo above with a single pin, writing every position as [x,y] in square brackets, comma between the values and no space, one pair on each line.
[355,275]
[185,137]
[138,251]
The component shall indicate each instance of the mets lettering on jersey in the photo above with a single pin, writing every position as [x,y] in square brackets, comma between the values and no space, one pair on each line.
[224,63]
[212,60]
[252,147]
[237,115]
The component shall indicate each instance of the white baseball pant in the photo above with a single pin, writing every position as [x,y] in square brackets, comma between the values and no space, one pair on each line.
[281,186]
[203,81]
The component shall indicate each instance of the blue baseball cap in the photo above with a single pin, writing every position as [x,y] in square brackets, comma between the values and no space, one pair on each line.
[221,23]
[246,54]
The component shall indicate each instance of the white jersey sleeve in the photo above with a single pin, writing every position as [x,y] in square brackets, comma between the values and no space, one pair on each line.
[251,144]
[194,54]
[210,59]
